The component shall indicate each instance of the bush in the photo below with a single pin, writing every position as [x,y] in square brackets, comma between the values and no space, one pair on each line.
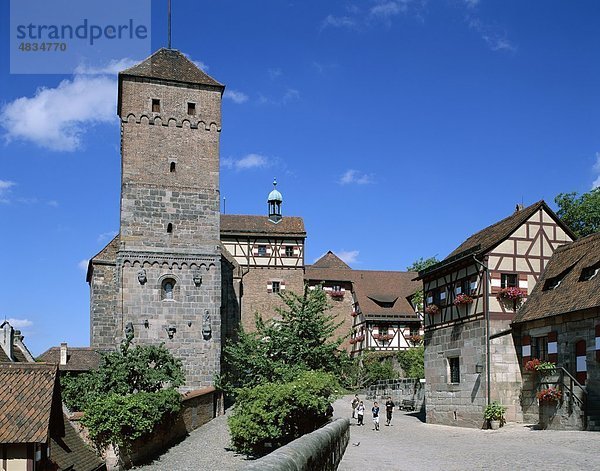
[273,414]
[412,361]
[120,420]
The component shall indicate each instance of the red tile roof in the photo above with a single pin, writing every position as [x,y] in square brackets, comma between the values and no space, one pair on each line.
[26,397]
[78,358]
[573,293]
[69,452]
[330,260]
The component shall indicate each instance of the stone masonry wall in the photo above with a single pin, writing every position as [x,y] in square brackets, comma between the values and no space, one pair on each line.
[256,298]
[103,293]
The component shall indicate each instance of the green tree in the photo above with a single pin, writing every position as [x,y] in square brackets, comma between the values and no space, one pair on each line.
[412,362]
[580,213]
[131,392]
[299,340]
[279,412]
[418,265]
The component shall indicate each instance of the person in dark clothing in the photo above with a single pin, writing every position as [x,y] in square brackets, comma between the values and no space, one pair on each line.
[375,412]
[360,413]
[389,410]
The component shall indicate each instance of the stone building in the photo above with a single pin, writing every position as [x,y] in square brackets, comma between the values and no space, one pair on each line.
[266,253]
[372,307]
[560,323]
[470,357]
[160,278]
[12,347]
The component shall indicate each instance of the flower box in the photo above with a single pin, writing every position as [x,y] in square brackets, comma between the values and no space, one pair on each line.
[550,394]
[336,294]
[386,337]
[432,309]
[510,294]
[463,300]
[354,314]
[415,339]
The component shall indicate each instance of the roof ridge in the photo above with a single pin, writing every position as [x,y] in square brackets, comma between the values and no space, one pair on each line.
[578,242]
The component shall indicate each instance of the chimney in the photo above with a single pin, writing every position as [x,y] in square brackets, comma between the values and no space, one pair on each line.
[6,339]
[519,207]
[63,353]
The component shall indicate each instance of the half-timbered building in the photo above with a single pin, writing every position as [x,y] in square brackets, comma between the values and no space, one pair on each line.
[371,306]
[560,323]
[470,299]
[267,255]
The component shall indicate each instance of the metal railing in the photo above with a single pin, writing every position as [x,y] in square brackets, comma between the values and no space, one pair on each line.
[573,391]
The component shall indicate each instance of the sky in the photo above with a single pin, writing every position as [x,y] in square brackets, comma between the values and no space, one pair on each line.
[395,128]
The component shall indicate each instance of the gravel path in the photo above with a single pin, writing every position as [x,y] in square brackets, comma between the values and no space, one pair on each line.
[408,444]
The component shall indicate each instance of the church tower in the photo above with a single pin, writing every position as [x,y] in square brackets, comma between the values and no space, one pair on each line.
[166,272]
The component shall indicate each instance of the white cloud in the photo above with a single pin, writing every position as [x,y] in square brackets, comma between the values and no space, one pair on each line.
[471,3]
[52,203]
[19,323]
[348,256]
[275,73]
[105,236]
[596,169]
[56,118]
[198,63]
[247,162]
[388,9]
[291,94]
[338,22]
[235,96]
[5,186]
[494,37]
[113,67]
[83,264]
[354,176]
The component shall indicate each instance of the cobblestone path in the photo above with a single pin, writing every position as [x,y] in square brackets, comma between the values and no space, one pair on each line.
[408,444]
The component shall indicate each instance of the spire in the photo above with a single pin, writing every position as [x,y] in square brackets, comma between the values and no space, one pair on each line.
[274,201]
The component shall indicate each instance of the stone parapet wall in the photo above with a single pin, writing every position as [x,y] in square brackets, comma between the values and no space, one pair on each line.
[321,450]
[410,389]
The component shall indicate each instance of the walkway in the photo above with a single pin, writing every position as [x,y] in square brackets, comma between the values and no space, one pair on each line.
[408,444]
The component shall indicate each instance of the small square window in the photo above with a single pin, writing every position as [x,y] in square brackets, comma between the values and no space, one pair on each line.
[289,251]
[155,105]
[454,366]
[191,108]
[262,250]
[276,286]
[509,280]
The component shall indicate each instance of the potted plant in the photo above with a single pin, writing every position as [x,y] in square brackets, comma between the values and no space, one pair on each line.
[549,400]
[511,297]
[463,299]
[543,367]
[550,394]
[494,415]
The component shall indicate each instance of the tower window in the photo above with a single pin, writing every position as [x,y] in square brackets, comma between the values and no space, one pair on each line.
[191,108]
[262,250]
[169,228]
[276,286]
[289,251]
[454,367]
[155,105]
[172,167]
[168,289]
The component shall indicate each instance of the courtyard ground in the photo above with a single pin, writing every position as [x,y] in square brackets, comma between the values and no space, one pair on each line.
[408,444]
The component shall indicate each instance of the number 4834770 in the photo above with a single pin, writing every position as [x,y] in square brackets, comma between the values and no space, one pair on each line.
[46,47]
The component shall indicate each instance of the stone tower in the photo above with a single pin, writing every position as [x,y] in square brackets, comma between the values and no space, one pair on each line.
[161,276]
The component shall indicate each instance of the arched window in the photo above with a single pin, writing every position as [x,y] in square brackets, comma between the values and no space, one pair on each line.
[169,228]
[168,289]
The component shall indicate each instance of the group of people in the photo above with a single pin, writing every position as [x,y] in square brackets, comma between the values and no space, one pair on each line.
[358,411]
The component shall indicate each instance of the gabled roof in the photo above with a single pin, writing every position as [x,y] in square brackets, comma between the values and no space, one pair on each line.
[173,66]
[26,396]
[485,240]
[78,358]
[331,260]
[108,255]
[382,295]
[238,224]
[493,235]
[572,294]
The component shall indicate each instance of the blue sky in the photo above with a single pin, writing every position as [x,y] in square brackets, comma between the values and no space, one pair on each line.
[395,129]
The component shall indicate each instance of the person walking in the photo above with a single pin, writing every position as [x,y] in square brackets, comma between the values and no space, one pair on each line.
[375,412]
[360,413]
[355,402]
[389,410]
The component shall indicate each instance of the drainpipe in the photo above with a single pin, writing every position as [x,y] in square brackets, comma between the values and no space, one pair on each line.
[486,313]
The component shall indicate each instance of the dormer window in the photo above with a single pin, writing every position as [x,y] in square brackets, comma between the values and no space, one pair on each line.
[191,108]
[589,273]
[552,283]
[155,105]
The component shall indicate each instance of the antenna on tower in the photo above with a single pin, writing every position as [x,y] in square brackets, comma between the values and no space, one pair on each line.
[169,23]
[224,205]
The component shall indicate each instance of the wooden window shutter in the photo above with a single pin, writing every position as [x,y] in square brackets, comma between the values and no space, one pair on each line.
[269,288]
[282,285]
[553,347]
[581,363]
[526,348]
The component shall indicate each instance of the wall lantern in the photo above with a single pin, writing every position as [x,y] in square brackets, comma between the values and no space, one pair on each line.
[478,368]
